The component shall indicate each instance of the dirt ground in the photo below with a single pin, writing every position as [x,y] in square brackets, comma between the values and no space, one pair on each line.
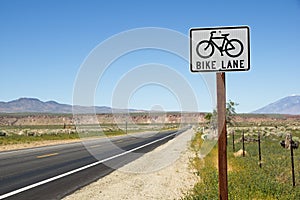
[35,144]
[161,174]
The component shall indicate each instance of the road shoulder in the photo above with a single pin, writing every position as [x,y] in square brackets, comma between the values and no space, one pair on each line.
[144,179]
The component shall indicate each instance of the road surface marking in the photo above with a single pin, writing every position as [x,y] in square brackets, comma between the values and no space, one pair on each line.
[97,145]
[81,168]
[47,155]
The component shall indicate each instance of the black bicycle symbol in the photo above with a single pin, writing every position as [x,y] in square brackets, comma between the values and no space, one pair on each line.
[206,48]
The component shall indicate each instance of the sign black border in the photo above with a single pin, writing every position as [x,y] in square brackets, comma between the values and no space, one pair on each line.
[214,28]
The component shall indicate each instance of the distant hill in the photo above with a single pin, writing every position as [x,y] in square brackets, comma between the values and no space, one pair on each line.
[288,105]
[33,105]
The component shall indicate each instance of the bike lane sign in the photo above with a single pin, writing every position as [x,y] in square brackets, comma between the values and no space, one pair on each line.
[220,49]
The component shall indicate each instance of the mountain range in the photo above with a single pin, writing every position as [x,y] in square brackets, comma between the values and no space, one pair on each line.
[34,105]
[287,105]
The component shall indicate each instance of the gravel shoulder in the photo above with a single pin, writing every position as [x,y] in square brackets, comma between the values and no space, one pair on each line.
[163,173]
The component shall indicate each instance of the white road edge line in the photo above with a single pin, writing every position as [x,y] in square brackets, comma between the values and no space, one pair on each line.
[79,169]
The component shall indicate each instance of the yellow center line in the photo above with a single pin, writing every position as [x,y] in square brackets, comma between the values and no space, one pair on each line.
[119,141]
[47,155]
[97,145]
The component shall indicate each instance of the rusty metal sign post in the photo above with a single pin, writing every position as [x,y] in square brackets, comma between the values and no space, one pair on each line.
[222,147]
[220,49]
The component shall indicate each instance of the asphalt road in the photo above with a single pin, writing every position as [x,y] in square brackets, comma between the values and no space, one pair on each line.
[55,171]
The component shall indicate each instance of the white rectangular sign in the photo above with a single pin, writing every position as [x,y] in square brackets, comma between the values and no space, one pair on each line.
[220,49]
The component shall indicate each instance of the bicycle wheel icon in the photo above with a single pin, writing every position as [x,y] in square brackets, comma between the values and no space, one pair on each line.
[205,49]
[234,48]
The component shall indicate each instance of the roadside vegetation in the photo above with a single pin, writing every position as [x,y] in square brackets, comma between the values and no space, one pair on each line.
[21,139]
[246,180]
[27,134]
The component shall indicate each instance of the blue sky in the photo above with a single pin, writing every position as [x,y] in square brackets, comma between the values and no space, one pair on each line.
[43,44]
